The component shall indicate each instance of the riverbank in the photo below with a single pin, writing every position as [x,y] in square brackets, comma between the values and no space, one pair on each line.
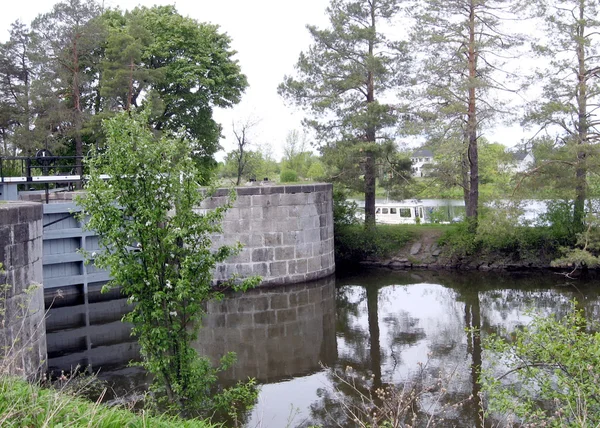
[426,249]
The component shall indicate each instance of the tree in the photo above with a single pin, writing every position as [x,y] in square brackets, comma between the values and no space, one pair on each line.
[66,44]
[16,76]
[157,247]
[567,110]
[464,50]
[242,131]
[254,166]
[341,79]
[296,153]
[191,69]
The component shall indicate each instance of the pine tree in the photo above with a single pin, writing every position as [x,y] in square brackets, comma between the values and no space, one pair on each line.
[341,81]
[567,110]
[464,50]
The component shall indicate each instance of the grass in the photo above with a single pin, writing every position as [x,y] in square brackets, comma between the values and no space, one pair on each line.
[26,405]
[354,243]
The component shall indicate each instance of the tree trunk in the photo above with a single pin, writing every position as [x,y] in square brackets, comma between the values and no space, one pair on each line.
[370,179]
[582,131]
[77,111]
[473,194]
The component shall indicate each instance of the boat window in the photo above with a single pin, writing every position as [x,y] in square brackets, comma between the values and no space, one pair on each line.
[393,211]
[405,212]
[378,211]
[384,210]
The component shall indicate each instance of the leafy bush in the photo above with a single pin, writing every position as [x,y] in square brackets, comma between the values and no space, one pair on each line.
[354,243]
[344,211]
[458,240]
[560,221]
[547,374]
[288,176]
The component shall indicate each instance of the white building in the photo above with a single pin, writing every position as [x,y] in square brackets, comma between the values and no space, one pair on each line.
[422,161]
[522,161]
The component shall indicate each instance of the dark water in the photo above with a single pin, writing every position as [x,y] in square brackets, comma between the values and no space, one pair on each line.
[390,327]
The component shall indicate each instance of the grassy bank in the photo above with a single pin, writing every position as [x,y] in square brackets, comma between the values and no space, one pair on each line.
[353,243]
[26,405]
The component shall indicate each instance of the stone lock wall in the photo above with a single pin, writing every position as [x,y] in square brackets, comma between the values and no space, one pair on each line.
[286,231]
[22,326]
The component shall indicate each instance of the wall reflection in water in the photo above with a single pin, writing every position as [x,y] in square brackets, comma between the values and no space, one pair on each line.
[277,333]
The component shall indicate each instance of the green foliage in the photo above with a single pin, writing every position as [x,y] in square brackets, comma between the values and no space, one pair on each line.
[458,240]
[316,171]
[354,243]
[501,233]
[559,217]
[344,211]
[26,405]
[546,374]
[288,176]
[157,246]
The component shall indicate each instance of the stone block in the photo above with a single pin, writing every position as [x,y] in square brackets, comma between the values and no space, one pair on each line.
[260,269]
[243,201]
[299,266]
[280,301]
[292,237]
[314,264]
[286,315]
[266,317]
[294,199]
[304,250]
[262,254]
[273,239]
[284,253]
[257,240]
[279,269]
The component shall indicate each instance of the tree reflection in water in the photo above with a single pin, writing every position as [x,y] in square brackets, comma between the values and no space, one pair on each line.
[388,322]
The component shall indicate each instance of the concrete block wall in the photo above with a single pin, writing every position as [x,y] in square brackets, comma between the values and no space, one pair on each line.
[275,332]
[22,326]
[286,231]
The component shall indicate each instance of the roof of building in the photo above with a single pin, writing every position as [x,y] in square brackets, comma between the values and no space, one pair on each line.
[422,153]
[520,155]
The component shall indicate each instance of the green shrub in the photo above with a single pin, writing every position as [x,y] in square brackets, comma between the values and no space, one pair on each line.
[559,219]
[458,241]
[546,374]
[354,243]
[344,211]
[288,176]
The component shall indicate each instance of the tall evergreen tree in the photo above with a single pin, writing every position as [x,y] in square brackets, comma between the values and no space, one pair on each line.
[568,108]
[67,42]
[464,50]
[16,77]
[341,81]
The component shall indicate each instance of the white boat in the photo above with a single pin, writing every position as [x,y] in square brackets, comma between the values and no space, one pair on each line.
[405,212]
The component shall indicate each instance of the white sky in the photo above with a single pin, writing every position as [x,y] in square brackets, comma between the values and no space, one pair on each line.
[268,36]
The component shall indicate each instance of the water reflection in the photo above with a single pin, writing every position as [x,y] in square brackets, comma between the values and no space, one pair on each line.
[276,333]
[382,323]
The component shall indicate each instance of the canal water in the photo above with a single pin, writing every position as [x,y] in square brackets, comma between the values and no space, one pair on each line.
[389,327]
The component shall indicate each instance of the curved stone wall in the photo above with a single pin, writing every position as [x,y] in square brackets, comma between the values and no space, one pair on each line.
[286,231]
[22,326]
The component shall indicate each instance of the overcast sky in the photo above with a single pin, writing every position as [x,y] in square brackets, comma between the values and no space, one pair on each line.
[268,36]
